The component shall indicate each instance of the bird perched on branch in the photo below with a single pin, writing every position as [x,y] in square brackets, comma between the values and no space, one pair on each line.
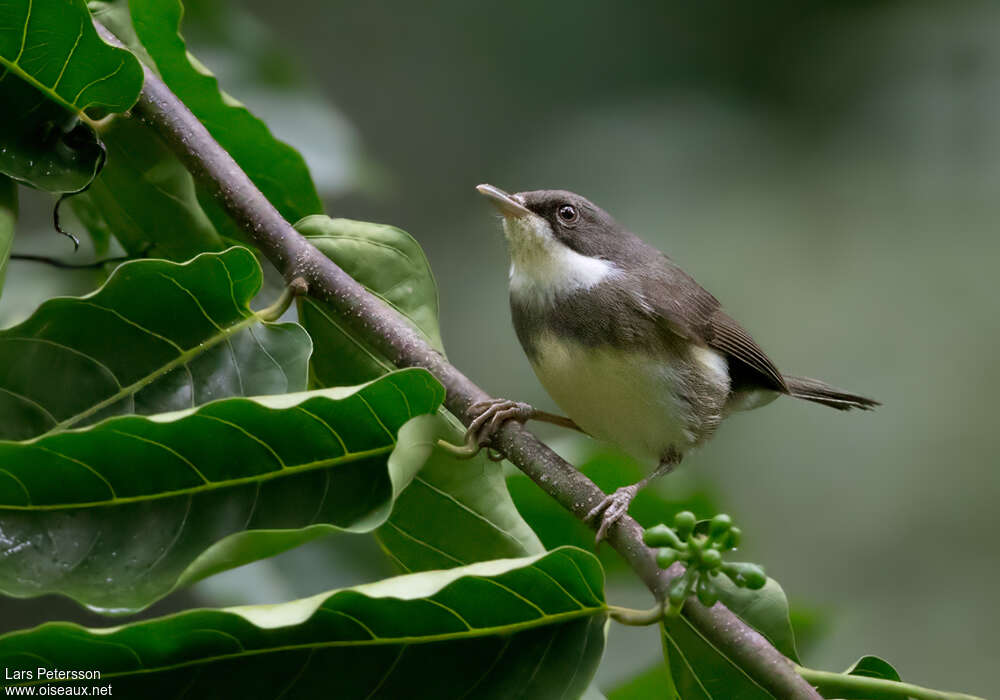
[627,344]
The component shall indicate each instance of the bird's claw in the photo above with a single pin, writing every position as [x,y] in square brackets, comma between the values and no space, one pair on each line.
[492,415]
[611,510]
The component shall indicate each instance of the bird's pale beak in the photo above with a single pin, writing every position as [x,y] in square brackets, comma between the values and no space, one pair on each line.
[506,203]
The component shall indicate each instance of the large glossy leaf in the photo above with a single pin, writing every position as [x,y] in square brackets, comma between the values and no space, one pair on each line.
[530,627]
[475,518]
[42,143]
[115,515]
[55,47]
[145,198]
[8,217]
[275,167]
[700,671]
[53,67]
[391,264]
[157,337]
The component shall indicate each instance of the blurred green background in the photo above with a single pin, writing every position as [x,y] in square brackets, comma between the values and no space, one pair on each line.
[829,170]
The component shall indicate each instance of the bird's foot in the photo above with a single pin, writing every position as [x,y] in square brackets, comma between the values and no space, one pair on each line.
[492,415]
[612,508]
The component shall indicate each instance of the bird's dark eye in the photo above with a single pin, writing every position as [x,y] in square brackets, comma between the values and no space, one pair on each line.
[567,214]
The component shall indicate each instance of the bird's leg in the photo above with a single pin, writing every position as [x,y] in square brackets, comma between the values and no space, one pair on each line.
[494,413]
[490,417]
[615,505]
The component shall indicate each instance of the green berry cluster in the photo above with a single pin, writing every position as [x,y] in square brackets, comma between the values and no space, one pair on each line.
[701,553]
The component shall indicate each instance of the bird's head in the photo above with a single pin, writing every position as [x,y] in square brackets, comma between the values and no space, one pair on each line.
[560,240]
[543,217]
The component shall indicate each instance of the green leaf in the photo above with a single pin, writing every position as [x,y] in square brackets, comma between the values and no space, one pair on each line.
[867,667]
[115,16]
[392,266]
[700,671]
[118,514]
[654,682]
[810,624]
[157,337]
[533,627]
[766,610]
[871,678]
[145,198]
[474,517]
[55,47]
[54,68]
[275,167]
[873,667]
[8,217]
[42,143]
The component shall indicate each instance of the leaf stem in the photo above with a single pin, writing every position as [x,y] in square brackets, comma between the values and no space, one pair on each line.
[467,450]
[273,312]
[637,618]
[832,684]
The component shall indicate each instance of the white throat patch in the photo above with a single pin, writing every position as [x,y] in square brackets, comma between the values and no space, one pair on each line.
[543,267]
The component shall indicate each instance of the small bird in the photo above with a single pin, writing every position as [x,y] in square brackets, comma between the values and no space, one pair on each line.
[627,344]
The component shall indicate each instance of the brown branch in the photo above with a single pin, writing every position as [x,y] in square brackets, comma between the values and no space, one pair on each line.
[386,332]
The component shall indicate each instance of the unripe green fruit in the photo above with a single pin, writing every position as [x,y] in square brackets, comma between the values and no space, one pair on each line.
[745,574]
[755,577]
[707,592]
[661,536]
[684,523]
[666,556]
[711,558]
[720,525]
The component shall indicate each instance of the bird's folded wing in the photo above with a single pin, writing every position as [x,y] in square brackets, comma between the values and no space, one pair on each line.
[691,312]
[728,336]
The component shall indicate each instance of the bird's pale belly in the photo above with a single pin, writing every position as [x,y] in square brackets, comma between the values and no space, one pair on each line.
[646,405]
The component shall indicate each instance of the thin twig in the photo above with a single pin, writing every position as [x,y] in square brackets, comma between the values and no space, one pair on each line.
[389,334]
[840,684]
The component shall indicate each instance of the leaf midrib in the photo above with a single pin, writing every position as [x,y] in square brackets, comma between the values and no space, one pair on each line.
[214,485]
[475,632]
[182,359]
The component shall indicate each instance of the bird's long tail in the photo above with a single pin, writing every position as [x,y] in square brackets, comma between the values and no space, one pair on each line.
[821,392]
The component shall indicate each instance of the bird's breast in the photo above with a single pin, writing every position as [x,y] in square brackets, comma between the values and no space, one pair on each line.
[645,401]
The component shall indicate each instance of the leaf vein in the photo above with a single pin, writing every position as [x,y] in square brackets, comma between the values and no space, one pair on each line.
[32,402]
[55,86]
[431,547]
[175,453]
[246,432]
[79,463]
[385,677]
